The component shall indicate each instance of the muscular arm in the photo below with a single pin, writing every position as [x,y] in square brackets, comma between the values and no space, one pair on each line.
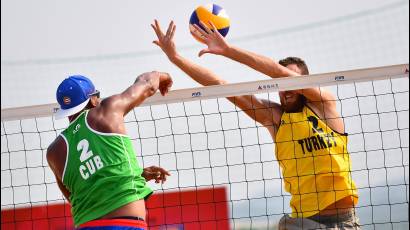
[265,112]
[260,63]
[217,45]
[267,66]
[145,86]
[57,163]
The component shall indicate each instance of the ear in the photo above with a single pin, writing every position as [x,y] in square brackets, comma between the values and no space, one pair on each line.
[94,101]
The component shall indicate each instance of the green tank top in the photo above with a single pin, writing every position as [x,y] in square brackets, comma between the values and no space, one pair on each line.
[101,171]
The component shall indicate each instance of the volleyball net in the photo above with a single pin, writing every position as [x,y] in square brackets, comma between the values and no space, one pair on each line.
[224,171]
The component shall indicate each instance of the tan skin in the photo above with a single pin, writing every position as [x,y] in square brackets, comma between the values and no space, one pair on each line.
[265,112]
[107,116]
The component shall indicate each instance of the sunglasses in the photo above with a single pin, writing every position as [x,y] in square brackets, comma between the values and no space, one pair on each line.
[96,93]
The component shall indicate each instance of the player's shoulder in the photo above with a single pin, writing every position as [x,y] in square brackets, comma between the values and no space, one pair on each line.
[105,119]
[106,108]
[110,102]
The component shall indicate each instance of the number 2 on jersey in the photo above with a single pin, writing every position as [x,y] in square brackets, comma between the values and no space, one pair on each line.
[91,165]
[85,154]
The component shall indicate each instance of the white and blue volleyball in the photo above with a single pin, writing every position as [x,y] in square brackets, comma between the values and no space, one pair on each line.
[211,12]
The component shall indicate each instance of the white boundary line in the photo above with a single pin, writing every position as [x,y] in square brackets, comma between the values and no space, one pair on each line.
[229,90]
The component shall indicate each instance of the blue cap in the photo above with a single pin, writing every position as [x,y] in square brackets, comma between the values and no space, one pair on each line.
[73,95]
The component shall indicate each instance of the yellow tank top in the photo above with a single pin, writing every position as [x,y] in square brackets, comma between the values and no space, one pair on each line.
[315,163]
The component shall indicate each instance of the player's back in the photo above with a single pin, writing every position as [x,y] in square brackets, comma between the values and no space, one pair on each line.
[101,171]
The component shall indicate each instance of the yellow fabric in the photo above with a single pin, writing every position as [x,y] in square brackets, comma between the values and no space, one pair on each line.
[315,163]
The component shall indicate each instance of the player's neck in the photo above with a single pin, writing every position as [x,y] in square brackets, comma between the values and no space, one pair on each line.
[75,116]
[294,109]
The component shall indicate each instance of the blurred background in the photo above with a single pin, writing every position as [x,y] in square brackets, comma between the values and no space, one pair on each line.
[42,42]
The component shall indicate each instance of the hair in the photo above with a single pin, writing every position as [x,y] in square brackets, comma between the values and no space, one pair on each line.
[297,61]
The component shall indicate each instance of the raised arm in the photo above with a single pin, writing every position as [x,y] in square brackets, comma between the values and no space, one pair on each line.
[144,86]
[264,112]
[217,45]
[323,100]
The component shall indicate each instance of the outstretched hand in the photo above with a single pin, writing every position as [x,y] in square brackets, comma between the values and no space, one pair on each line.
[155,173]
[165,41]
[212,38]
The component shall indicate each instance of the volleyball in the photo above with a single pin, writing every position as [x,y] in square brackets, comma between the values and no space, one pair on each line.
[211,12]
